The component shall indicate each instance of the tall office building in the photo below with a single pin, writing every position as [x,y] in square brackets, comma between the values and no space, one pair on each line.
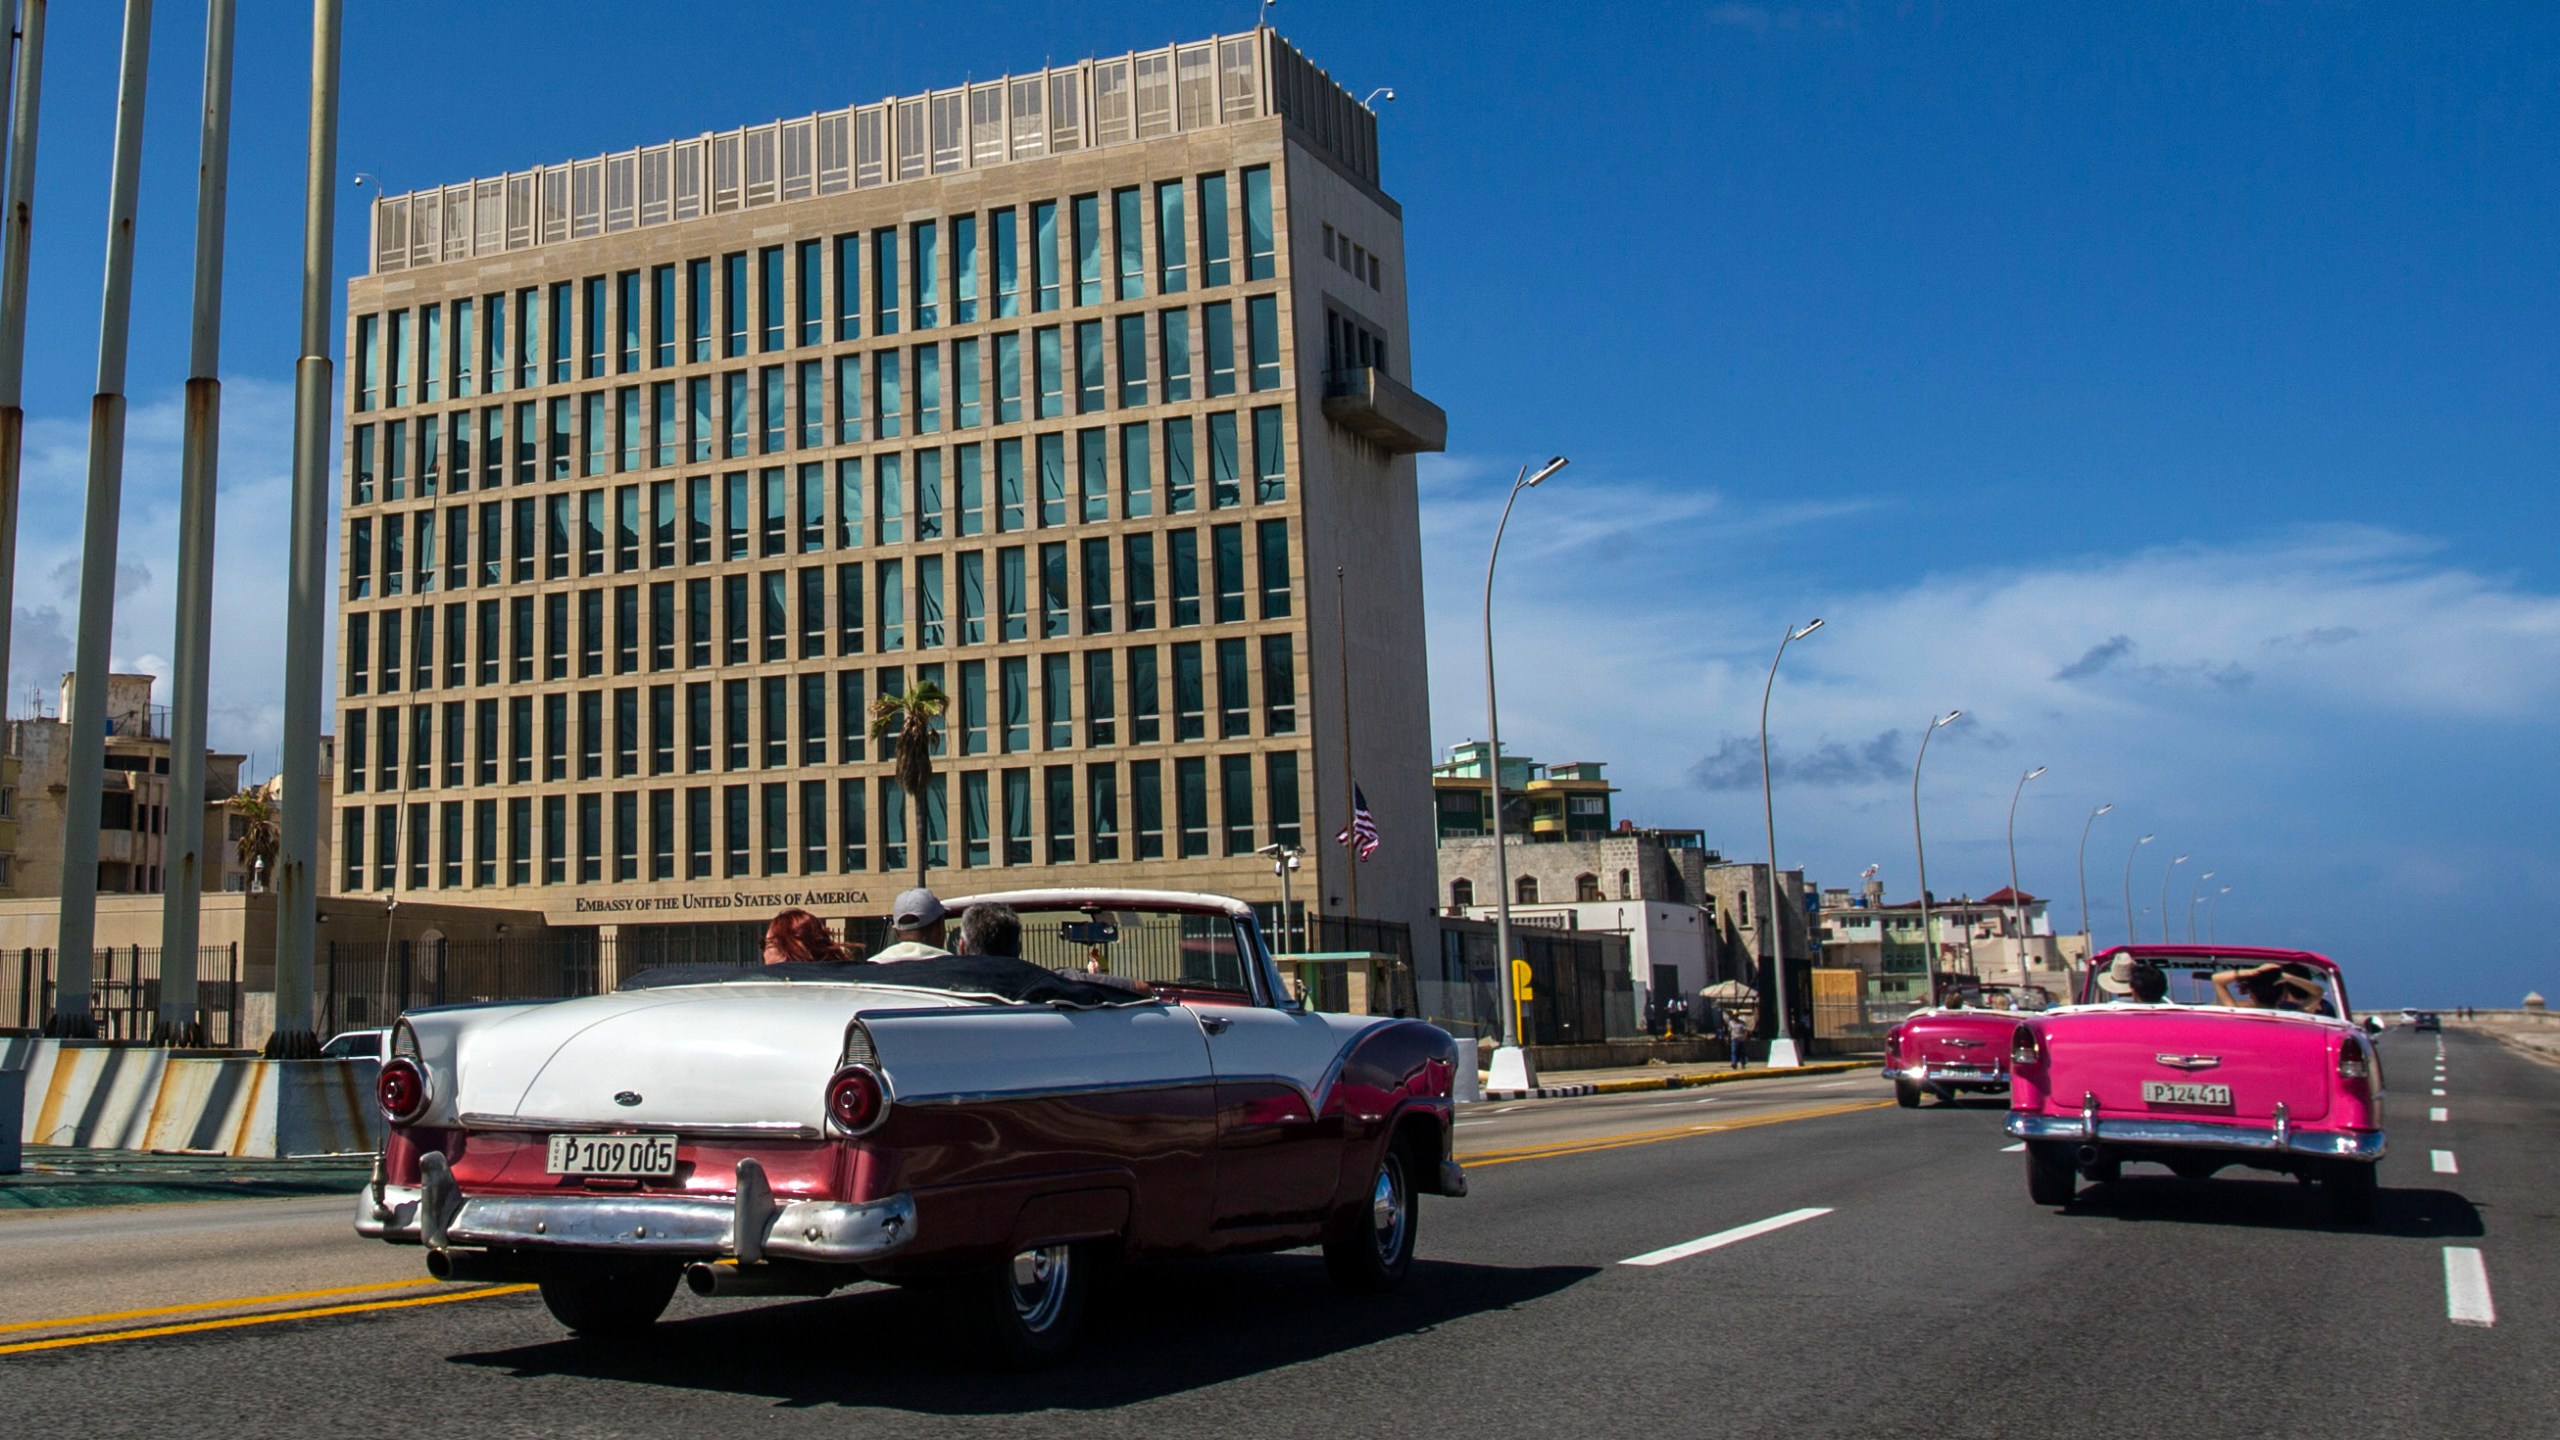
[1082,394]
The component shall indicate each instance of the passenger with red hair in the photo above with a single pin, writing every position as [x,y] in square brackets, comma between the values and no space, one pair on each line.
[795,934]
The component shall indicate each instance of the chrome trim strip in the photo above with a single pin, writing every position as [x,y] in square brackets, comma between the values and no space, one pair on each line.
[2337,1144]
[758,1129]
[1052,1092]
[684,1225]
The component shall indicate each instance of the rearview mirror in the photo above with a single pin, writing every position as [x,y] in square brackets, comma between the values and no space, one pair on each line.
[2372,1026]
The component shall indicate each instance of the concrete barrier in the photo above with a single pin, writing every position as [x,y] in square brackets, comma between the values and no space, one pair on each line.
[13,1100]
[99,1095]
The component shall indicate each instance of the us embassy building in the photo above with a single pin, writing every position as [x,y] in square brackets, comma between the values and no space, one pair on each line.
[1083,394]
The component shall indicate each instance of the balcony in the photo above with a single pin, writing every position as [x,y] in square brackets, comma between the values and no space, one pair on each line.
[1378,408]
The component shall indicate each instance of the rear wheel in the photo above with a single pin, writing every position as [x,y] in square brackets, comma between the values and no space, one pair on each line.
[611,1305]
[1033,1305]
[1906,1094]
[1369,1252]
[2352,1190]
[2051,1180]
[2106,1171]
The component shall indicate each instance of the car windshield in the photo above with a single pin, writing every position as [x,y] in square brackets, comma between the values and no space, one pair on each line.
[2246,983]
[1999,997]
[1185,951]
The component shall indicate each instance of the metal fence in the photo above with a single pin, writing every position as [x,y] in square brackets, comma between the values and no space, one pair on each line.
[124,991]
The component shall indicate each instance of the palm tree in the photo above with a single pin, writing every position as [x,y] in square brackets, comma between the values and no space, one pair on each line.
[260,837]
[910,718]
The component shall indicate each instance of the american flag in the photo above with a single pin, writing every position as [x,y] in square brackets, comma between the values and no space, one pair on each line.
[1362,834]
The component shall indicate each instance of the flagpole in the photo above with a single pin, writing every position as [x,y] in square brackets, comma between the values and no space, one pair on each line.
[1342,652]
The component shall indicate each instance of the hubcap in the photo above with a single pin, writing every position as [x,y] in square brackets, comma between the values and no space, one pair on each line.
[1387,1209]
[1040,1285]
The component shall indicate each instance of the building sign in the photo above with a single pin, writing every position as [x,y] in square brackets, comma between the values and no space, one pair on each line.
[721,900]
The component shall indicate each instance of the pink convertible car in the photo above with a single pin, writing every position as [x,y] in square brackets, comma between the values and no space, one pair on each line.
[2197,1057]
[1961,1043]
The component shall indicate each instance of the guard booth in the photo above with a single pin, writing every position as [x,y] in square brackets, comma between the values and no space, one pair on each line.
[1350,982]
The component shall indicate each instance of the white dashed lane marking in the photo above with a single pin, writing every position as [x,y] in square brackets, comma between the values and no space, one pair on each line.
[2013,1149]
[2439,1091]
[2437,1114]
[2442,1160]
[1722,1238]
[2466,1287]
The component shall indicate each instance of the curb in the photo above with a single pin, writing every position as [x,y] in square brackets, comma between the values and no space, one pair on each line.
[1697,1080]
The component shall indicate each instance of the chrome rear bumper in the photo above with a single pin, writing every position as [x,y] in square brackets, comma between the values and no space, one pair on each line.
[1943,1075]
[2280,1139]
[437,1215]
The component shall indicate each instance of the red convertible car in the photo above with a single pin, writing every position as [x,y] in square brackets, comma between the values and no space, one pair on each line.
[1001,1124]
[1962,1043]
[2200,1057]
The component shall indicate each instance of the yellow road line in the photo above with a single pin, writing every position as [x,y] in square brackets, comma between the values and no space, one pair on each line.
[214,1305]
[233,1322]
[1592,1144]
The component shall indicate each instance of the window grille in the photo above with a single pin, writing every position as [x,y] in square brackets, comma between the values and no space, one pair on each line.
[1066,111]
[1155,94]
[986,125]
[688,179]
[871,146]
[1110,102]
[586,192]
[489,217]
[621,192]
[835,153]
[910,139]
[1030,126]
[656,184]
[799,159]
[726,183]
[762,164]
[1195,87]
[950,143]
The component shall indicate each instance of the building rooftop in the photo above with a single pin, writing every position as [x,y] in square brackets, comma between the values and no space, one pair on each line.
[1143,95]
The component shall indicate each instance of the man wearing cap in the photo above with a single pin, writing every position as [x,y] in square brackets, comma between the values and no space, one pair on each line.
[917,919]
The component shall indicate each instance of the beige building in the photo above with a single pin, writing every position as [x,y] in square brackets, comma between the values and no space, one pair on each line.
[1082,394]
[133,809]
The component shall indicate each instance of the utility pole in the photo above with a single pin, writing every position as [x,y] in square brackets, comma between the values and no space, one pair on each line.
[297,888]
[19,197]
[187,680]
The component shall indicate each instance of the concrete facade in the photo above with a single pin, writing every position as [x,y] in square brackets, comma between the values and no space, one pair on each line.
[134,821]
[619,589]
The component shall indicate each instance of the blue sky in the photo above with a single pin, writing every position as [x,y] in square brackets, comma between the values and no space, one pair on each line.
[2170,386]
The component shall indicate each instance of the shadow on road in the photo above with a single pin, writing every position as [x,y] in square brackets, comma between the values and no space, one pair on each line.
[1156,1330]
[2281,1204]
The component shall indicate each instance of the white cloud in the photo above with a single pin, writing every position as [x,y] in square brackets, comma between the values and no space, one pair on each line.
[245,708]
[2257,701]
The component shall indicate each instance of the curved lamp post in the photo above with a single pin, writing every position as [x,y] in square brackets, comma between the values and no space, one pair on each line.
[1928,944]
[2212,904]
[2018,912]
[2164,896]
[1782,1044]
[2195,897]
[1511,1067]
[2088,946]
[2129,937]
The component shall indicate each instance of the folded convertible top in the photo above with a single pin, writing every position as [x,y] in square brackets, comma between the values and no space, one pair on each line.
[990,977]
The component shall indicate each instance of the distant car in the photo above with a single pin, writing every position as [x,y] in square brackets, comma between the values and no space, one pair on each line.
[1960,1044]
[358,1045]
[1002,1127]
[2428,1020]
[2254,1060]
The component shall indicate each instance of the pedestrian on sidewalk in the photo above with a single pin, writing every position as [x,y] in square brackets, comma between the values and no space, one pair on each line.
[1737,1039]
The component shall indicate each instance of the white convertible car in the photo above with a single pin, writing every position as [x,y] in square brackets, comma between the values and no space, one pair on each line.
[789,1129]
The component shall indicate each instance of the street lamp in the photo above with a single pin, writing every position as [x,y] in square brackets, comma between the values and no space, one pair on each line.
[2017,912]
[2164,896]
[2195,897]
[1782,1045]
[1928,944]
[1511,1067]
[2212,904]
[2130,938]
[1385,92]
[2088,946]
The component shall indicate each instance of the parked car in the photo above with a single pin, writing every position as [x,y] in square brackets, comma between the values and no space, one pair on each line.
[2428,1020]
[2254,1059]
[358,1045]
[999,1124]
[1959,1044]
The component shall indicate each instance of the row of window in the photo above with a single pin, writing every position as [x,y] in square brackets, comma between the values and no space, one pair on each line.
[802,614]
[820,404]
[1042,482]
[774,722]
[1048,815]
[818,291]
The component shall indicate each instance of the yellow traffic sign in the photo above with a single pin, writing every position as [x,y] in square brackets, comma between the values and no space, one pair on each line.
[1521,988]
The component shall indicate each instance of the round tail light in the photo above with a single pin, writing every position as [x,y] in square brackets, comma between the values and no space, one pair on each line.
[402,1088]
[856,1099]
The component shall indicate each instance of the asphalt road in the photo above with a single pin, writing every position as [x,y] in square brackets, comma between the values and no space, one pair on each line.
[1912,1290]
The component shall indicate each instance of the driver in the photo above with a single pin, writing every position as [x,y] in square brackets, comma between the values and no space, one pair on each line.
[918,922]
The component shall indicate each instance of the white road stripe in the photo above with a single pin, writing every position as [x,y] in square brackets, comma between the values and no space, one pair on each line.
[2013,1149]
[1838,1084]
[2437,1113]
[2466,1287]
[2442,1160]
[2439,1091]
[1723,1238]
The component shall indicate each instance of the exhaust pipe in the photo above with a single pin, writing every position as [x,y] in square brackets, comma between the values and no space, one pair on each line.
[722,1280]
[477,1265]
[2088,1156]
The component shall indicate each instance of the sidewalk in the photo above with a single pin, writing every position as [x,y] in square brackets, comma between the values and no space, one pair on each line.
[61,1177]
[1560,1084]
